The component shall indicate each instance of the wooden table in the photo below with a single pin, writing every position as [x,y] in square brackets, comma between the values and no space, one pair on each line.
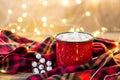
[18,76]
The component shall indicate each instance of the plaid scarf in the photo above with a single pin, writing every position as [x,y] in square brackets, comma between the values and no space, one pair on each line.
[13,37]
[20,59]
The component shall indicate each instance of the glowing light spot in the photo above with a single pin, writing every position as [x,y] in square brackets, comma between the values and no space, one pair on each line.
[44,24]
[45,3]
[117,44]
[64,20]
[13,30]
[87,13]
[18,27]
[44,19]
[78,1]
[35,30]
[96,33]
[51,25]
[82,29]
[95,1]
[3,71]
[9,11]
[65,2]
[72,30]
[24,14]
[38,33]
[20,19]
[104,29]
[24,30]
[24,5]
[77,29]
[54,36]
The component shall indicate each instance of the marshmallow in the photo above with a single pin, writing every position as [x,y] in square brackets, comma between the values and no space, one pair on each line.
[74,37]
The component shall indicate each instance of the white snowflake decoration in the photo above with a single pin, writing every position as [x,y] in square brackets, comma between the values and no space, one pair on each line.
[42,66]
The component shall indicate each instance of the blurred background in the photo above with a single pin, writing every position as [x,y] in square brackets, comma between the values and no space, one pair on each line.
[38,19]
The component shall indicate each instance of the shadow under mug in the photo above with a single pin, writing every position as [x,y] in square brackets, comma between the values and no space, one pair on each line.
[72,53]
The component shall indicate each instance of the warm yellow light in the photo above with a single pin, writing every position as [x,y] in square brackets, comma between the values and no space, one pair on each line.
[87,13]
[18,27]
[38,33]
[65,2]
[96,33]
[78,1]
[20,19]
[51,25]
[82,29]
[72,30]
[44,19]
[45,3]
[24,30]
[64,20]
[24,5]
[24,14]
[77,29]
[35,30]
[3,71]
[9,11]
[54,36]
[44,24]
[117,46]
[104,29]
[13,30]
[95,1]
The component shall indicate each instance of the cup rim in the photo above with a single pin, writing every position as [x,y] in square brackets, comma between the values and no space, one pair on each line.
[73,41]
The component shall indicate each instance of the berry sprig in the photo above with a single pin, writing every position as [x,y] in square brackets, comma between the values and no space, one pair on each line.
[42,66]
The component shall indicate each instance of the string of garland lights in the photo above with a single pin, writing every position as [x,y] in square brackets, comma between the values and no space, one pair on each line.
[38,19]
[49,17]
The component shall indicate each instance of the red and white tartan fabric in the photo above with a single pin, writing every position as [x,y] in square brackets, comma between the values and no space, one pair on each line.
[19,59]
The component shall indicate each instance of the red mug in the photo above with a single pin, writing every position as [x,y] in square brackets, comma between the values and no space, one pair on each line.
[72,49]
